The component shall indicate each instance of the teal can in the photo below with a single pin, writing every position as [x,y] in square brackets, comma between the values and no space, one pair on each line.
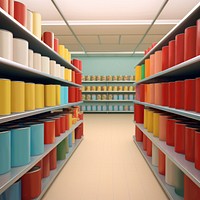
[5,151]
[62,95]
[20,146]
[70,139]
[66,95]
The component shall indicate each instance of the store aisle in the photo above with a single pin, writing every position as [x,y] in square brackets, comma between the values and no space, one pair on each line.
[107,165]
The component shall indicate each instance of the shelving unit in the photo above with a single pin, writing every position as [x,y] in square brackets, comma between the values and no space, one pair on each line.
[46,182]
[169,190]
[9,178]
[185,70]
[15,71]
[189,114]
[108,102]
[19,31]
[178,159]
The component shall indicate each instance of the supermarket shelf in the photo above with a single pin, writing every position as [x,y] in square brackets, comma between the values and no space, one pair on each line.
[9,178]
[108,111]
[12,117]
[19,31]
[169,190]
[16,71]
[108,81]
[87,101]
[178,159]
[96,92]
[187,69]
[188,20]
[189,114]
[46,182]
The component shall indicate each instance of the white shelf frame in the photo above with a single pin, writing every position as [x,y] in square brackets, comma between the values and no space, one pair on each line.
[46,182]
[16,71]
[19,31]
[6,180]
[169,190]
[12,117]
[178,159]
[189,114]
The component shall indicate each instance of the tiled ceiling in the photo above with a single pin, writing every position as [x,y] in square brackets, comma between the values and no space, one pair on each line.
[113,37]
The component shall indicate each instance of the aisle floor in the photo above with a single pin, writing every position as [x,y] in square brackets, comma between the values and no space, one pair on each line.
[107,165]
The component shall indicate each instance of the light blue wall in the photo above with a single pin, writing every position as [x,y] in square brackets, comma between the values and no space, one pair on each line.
[109,65]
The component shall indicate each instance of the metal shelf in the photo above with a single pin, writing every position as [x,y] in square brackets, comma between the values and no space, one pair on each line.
[108,92]
[9,178]
[189,114]
[169,190]
[19,31]
[189,20]
[87,101]
[108,81]
[12,117]
[16,71]
[184,70]
[46,182]
[178,159]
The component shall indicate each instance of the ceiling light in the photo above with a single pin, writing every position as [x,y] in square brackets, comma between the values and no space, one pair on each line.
[107,53]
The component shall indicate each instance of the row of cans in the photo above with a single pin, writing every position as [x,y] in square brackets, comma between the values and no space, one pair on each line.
[108,78]
[108,88]
[89,97]
[107,108]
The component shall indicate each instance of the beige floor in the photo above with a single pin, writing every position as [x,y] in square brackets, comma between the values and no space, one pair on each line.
[107,165]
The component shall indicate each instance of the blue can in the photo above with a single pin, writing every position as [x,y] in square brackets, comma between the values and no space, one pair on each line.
[20,146]
[62,95]
[70,139]
[13,192]
[5,151]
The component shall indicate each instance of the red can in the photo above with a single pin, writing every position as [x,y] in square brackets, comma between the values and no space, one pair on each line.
[197,150]
[57,127]
[191,190]
[31,184]
[46,166]
[67,121]
[165,55]
[62,124]
[170,130]
[53,159]
[165,97]
[40,164]
[179,48]
[197,94]
[71,94]
[179,137]
[73,77]
[198,38]
[189,97]
[179,94]
[20,13]
[145,142]
[190,42]
[80,65]
[49,132]
[161,162]
[149,147]
[171,58]
[151,93]
[4,5]
[171,90]
[142,92]
[48,38]
[138,134]
[139,113]
[11,7]
[56,44]
[76,63]
[79,131]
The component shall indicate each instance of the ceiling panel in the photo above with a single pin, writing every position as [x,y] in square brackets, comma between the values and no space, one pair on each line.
[152,38]
[67,40]
[130,39]
[170,11]
[107,48]
[161,29]
[73,47]
[143,46]
[109,39]
[109,10]
[89,39]
[100,30]
[58,29]
[44,7]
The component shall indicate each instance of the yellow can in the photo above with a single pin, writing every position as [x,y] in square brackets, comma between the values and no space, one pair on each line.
[109,88]
[17,96]
[70,121]
[50,95]
[138,73]
[39,96]
[66,54]
[61,50]
[58,95]
[37,25]
[156,117]
[5,97]
[125,88]
[150,121]
[73,137]
[29,96]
